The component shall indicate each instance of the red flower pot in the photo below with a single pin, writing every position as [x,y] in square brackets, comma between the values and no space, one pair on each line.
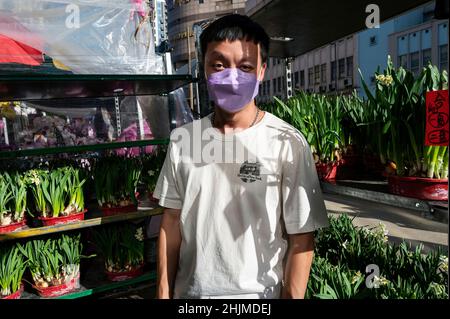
[12,227]
[111,211]
[50,221]
[327,171]
[55,291]
[15,295]
[418,187]
[125,275]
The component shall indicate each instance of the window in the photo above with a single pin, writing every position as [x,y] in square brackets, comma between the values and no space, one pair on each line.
[268,87]
[373,40]
[415,62]
[443,57]
[317,74]
[296,83]
[350,66]
[323,73]
[283,81]
[279,84]
[341,68]
[302,78]
[274,85]
[260,89]
[403,61]
[310,76]
[333,70]
[200,1]
[426,57]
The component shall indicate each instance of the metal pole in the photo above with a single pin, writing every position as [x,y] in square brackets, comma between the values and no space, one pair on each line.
[5,125]
[117,109]
[288,76]
[191,89]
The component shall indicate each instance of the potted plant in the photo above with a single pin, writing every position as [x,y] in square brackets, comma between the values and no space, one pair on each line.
[58,195]
[54,264]
[115,180]
[12,268]
[122,247]
[420,171]
[13,202]
[151,168]
[318,118]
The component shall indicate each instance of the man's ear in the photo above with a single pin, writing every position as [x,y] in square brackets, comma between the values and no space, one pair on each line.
[262,72]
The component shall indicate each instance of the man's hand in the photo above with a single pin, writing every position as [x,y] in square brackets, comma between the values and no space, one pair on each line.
[299,259]
[168,252]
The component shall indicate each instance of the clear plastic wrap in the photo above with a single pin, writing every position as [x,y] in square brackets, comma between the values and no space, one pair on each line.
[85,36]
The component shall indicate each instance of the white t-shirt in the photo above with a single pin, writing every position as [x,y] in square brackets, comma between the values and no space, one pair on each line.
[238,194]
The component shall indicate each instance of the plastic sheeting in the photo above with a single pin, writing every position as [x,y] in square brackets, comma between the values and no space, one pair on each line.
[86,36]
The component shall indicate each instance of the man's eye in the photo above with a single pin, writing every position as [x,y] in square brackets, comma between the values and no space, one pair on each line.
[246,68]
[218,66]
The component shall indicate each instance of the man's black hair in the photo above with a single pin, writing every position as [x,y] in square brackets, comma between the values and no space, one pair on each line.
[235,27]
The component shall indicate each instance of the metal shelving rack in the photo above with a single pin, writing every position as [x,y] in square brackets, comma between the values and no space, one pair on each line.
[38,87]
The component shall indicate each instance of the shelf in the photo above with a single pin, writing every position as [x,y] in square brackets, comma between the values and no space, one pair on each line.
[84,292]
[94,220]
[80,148]
[19,87]
[104,286]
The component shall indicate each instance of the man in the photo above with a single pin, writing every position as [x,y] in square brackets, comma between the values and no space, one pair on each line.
[235,184]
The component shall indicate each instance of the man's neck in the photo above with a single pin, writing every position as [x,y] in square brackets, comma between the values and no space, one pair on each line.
[235,122]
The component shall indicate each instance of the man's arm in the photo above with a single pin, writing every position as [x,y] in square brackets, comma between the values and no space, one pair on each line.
[298,264]
[168,252]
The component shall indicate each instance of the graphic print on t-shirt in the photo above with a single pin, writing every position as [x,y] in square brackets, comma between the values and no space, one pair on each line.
[250,172]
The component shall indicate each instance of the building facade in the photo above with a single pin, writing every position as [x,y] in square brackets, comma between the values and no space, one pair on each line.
[184,13]
[160,21]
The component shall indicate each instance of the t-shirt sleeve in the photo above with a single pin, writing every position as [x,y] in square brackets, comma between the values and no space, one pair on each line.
[166,189]
[303,204]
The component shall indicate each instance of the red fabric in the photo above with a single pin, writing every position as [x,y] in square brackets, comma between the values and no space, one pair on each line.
[12,51]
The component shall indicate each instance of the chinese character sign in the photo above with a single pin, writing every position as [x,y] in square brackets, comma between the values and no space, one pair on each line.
[437,118]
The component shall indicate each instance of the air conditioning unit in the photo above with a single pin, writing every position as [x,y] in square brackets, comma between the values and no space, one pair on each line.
[348,82]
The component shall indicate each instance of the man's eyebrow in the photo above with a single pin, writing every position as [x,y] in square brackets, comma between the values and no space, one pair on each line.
[217,55]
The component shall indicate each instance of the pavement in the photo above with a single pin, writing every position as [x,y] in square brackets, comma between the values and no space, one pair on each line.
[402,223]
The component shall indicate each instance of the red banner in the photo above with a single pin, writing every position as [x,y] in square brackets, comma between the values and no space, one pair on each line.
[436,132]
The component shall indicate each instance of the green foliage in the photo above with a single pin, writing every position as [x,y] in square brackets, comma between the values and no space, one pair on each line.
[12,268]
[122,246]
[151,167]
[343,251]
[398,104]
[318,118]
[53,261]
[58,192]
[116,179]
[13,197]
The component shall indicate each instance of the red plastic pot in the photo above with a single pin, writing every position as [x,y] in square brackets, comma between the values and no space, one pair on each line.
[12,227]
[118,210]
[55,291]
[50,221]
[125,275]
[15,295]
[327,171]
[418,187]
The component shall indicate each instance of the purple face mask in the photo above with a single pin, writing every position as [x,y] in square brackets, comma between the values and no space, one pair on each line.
[232,89]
